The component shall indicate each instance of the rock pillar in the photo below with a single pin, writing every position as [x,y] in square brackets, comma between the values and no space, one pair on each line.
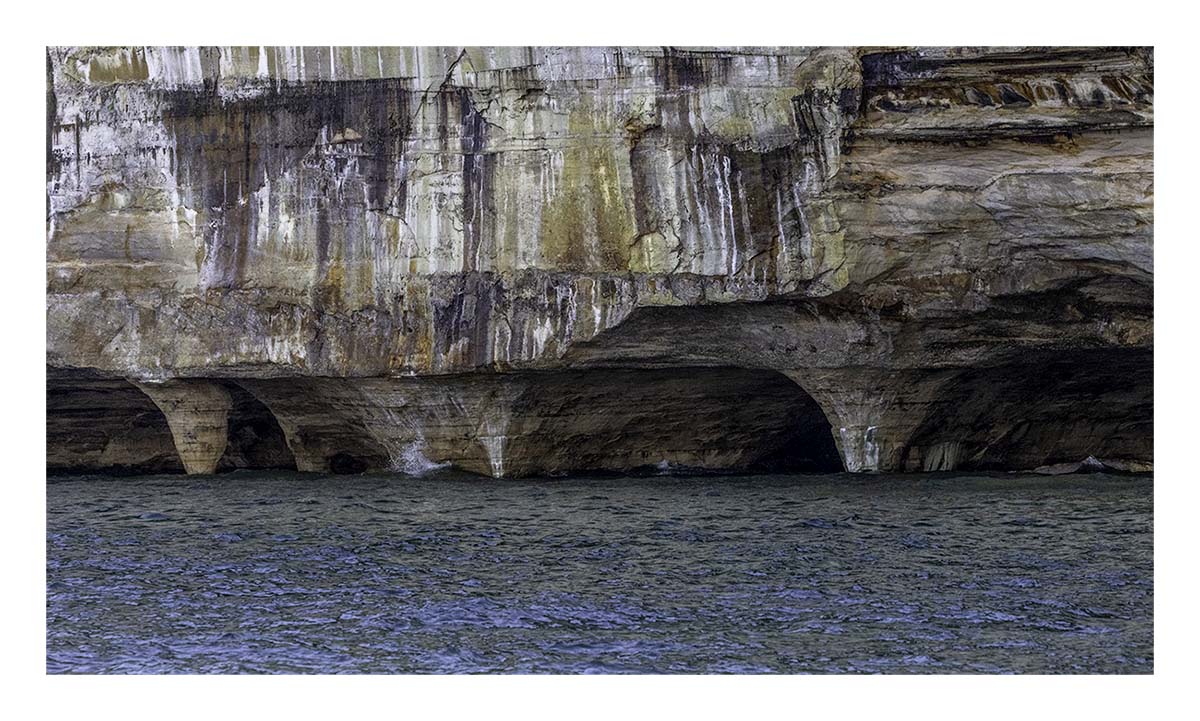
[317,419]
[198,414]
[874,412]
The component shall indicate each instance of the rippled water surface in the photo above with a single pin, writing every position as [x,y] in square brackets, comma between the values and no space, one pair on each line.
[791,574]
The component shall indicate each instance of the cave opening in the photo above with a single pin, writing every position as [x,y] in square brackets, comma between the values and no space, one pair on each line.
[694,419]
[346,464]
[255,438]
[621,420]
[97,423]
[101,424]
[1046,408]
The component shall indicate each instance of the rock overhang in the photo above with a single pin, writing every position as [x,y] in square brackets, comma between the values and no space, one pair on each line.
[882,217]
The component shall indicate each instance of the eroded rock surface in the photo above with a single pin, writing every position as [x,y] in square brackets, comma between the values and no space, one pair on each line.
[535,260]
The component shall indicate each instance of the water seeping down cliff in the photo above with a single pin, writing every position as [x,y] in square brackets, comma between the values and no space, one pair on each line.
[538,260]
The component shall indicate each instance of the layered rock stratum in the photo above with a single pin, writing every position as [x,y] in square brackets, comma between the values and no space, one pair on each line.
[541,260]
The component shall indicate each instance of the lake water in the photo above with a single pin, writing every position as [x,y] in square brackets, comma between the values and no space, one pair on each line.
[290,573]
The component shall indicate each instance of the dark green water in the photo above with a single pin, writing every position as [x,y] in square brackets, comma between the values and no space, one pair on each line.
[781,574]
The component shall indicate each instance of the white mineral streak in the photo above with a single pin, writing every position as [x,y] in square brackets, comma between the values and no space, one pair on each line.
[492,433]
[860,451]
[558,184]
[493,441]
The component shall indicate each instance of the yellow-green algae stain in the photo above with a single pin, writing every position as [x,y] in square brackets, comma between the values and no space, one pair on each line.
[589,223]
[117,65]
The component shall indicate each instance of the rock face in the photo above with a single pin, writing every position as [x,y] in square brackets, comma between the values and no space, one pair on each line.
[539,260]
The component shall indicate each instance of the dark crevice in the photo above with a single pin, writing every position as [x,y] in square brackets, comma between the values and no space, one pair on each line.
[343,464]
[255,438]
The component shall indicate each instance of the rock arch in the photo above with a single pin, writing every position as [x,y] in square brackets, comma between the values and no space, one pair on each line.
[1016,412]
[197,412]
[99,423]
[550,422]
[96,422]
[698,418]
[874,411]
[326,422]
[255,438]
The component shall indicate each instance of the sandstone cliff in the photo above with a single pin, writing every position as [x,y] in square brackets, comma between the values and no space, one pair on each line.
[535,260]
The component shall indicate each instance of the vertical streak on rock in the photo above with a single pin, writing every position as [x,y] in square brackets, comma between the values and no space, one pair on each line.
[942,456]
[51,123]
[832,80]
[198,415]
[474,175]
[486,412]
[493,414]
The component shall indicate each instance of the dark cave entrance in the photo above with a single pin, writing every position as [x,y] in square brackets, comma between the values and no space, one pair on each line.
[802,441]
[715,419]
[256,441]
[101,424]
[1050,407]
[345,464]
